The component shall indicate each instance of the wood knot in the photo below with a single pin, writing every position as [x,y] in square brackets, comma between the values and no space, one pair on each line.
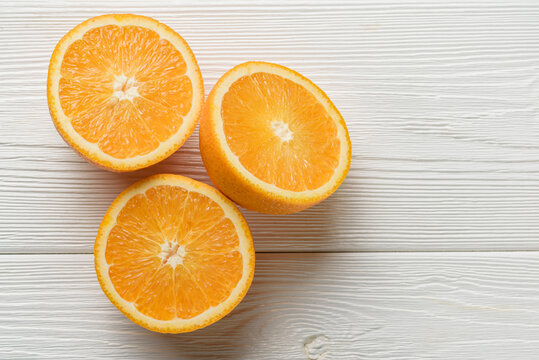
[316,347]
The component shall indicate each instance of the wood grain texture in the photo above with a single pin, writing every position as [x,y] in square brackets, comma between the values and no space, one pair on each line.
[441,103]
[349,306]
[440,100]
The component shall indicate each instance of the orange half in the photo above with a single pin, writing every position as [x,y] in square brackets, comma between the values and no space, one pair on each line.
[125,91]
[272,140]
[174,254]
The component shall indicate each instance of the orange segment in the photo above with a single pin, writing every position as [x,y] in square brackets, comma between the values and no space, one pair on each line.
[124,90]
[206,243]
[174,254]
[130,277]
[156,299]
[77,96]
[272,140]
[126,134]
[125,244]
[190,300]
[166,204]
[148,111]
[103,44]
[215,274]
[168,91]
[84,62]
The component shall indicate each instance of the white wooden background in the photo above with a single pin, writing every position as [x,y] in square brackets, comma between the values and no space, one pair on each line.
[429,250]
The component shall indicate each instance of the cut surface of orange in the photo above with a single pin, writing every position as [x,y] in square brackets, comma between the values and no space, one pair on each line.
[174,254]
[271,140]
[125,91]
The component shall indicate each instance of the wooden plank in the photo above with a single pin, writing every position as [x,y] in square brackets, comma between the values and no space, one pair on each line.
[440,100]
[348,306]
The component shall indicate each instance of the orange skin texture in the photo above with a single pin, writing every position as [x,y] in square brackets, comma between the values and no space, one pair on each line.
[227,178]
[98,249]
[87,155]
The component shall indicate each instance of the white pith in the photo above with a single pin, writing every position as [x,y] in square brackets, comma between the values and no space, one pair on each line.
[125,88]
[172,253]
[281,130]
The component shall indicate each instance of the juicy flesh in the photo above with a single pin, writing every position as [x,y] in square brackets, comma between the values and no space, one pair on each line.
[173,253]
[124,89]
[280,132]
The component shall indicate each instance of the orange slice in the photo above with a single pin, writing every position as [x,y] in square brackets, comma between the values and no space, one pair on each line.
[271,140]
[125,91]
[174,254]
